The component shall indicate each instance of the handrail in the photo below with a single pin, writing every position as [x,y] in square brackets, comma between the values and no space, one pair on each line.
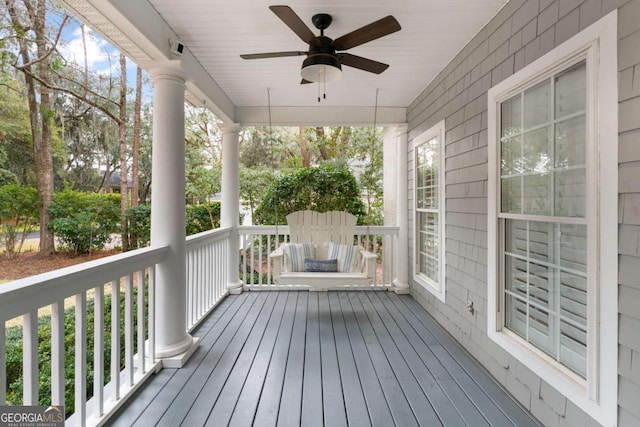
[206,237]
[21,295]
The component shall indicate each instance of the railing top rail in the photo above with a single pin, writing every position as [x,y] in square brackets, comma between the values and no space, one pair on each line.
[22,295]
[210,236]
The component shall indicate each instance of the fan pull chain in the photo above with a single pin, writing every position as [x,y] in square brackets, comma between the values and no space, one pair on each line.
[324,87]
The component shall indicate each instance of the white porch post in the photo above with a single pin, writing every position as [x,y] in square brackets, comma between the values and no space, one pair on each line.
[401,282]
[230,209]
[168,215]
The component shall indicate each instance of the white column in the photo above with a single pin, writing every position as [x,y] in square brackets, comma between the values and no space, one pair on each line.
[401,282]
[168,214]
[230,209]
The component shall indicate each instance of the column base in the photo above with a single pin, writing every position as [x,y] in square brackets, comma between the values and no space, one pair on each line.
[235,288]
[178,360]
[400,288]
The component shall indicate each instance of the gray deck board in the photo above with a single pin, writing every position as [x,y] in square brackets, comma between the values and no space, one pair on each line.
[323,359]
[291,397]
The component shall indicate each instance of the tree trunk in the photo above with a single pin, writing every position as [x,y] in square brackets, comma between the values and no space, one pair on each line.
[135,150]
[322,147]
[40,110]
[304,149]
[122,136]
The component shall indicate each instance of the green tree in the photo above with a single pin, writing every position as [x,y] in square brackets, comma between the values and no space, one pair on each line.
[322,189]
[254,182]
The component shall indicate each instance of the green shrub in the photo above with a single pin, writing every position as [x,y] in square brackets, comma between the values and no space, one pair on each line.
[18,212]
[84,221]
[139,225]
[14,351]
[322,189]
[202,217]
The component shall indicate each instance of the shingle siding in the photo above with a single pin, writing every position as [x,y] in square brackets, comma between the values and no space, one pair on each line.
[519,34]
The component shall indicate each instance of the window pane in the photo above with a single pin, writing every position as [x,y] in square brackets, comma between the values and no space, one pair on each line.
[573,348]
[571,94]
[570,193]
[516,237]
[511,156]
[570,142]
[541,238]
[516,276]
[573,247]
[536,192]
[573,298]
[536,151]
[516,319]
[539,287]
[537,105]
[428,161]
[428,244]
[541,330]
[511,117]
[511,195]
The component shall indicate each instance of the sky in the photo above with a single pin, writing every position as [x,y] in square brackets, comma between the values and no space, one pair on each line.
[102,57]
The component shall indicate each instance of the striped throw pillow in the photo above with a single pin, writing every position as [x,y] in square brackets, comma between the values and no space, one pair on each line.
[295,254]
[347,256]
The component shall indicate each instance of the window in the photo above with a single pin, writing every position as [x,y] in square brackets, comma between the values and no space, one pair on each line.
[429,208]
[543,215]
[552,212]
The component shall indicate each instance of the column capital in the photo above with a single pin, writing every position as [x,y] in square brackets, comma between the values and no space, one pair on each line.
[401,129]
[230,127]
[171,70]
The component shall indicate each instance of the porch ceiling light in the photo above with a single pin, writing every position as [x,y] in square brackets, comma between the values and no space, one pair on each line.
[321,68]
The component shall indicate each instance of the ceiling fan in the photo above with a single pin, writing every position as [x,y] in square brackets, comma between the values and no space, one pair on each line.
[324,60]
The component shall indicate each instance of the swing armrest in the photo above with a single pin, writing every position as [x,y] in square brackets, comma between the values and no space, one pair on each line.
[369,261]
[277,257]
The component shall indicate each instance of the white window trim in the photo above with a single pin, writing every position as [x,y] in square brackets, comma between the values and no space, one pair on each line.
[436,288]
[598,395]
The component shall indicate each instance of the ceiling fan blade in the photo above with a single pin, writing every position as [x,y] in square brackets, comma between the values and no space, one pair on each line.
[293,21]
[304,82]
[375,30]
[272,55]
[362,63]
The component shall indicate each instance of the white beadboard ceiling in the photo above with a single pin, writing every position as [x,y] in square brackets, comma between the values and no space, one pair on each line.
[217,32]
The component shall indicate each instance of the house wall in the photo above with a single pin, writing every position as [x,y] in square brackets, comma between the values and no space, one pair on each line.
[520,33]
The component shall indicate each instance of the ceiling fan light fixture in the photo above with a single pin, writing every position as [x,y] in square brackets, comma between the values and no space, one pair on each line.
[321,68]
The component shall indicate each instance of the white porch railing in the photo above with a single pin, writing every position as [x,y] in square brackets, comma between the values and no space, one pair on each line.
[128,281]
[124,286]
[207,273]
[256,242]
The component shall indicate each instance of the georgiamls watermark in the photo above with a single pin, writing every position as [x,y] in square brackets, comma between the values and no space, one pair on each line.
[31,416]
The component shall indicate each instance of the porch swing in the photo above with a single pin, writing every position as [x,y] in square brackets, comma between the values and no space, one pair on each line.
[320,252]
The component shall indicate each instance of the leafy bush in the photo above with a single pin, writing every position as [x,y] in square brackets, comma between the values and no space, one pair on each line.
[202,217]
[18,212]
[322,189]
[84,221]
[139,225]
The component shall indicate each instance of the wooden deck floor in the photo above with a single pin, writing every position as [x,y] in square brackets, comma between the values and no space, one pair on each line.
[333,359]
